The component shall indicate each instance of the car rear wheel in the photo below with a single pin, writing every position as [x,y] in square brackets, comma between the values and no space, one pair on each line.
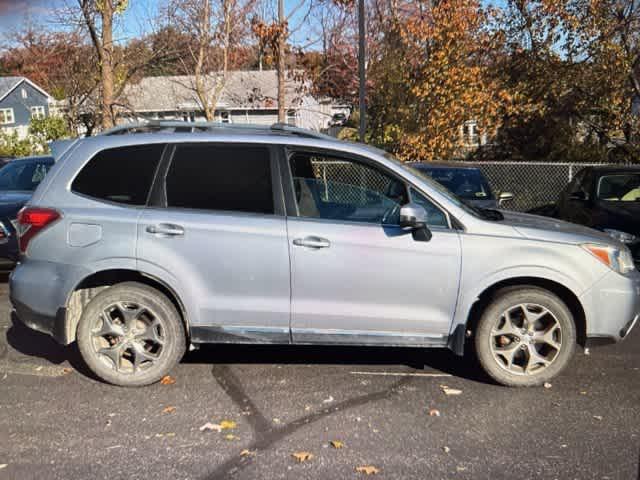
[131,335]
[525,337]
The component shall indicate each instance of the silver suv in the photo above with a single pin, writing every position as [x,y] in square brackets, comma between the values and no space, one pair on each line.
[147,239]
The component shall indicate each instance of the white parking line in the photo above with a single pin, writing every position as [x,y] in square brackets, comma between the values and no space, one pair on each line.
[31,369]
[401,374]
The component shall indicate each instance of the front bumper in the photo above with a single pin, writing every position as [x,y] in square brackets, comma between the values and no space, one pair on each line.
[612,308]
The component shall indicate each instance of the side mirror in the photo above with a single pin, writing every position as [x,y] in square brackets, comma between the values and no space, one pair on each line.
[414,217]
[579,196]
[505,197]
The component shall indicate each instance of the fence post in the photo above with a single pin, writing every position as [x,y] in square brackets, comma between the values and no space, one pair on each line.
[570,171]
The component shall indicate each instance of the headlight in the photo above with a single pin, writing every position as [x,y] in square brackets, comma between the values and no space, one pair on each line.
[621,236]
[618,259]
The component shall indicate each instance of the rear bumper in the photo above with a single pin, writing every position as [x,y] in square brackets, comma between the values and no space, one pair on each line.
[39,291]
[612,307]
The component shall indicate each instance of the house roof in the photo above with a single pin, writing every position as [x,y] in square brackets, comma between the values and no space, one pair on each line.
[242,89]
[8,84]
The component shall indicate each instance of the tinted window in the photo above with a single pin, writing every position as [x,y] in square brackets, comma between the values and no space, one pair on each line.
[221,177]
[340,189]
[620,187]
[122,175]
[23,175]
[467,183]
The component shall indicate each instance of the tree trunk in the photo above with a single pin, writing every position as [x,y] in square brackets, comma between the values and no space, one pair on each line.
[106,68]
[281,63]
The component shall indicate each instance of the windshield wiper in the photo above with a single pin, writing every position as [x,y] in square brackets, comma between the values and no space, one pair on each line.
[489,213]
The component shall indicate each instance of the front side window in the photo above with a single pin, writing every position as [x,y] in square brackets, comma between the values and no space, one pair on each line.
[23,176]
[619,187]
[6,116]
[340,189]
[121,175]
[221,177]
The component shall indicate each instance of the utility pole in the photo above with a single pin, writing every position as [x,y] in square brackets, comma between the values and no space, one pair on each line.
[281,45]
[361,69]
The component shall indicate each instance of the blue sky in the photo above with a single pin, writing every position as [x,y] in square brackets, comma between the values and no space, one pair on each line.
[14,14]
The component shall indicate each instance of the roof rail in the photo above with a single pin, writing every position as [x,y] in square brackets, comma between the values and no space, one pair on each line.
[176,126]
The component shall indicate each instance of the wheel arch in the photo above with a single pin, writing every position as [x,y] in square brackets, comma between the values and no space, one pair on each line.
[92,284]
[459,336]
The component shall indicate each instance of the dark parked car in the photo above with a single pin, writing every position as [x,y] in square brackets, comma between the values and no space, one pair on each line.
[466,181]
[606,198]
[18,179]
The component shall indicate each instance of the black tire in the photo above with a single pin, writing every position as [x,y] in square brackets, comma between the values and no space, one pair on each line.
[132,307]
[492,353]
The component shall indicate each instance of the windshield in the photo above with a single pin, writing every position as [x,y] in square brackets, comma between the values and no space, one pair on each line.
[466,183]
[22,176]
[620,187]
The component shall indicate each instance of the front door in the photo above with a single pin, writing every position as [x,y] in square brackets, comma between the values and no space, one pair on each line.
[217,233]
[356,276]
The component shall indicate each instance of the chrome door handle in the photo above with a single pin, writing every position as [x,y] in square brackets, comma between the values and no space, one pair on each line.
[167,229]
[312,242]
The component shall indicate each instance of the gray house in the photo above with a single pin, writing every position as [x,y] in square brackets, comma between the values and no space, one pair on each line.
[20,101]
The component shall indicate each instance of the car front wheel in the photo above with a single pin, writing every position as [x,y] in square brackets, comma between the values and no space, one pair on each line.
[130,335]
[525,337]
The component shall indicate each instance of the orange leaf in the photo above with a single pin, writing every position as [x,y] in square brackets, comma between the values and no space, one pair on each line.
[167,380]
[302,456]
[368,470]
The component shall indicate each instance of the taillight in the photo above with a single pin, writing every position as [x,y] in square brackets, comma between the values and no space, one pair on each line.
[31,221]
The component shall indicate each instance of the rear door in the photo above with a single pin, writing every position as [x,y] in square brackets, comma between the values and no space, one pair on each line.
[216,230]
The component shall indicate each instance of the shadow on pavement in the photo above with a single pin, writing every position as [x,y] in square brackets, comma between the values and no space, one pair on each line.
[35,344]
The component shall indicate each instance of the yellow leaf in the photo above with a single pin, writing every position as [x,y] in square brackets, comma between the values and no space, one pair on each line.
[169,409]
[230,437]
[336,444]
[227,424]
[368,470]
[302,456]
[246,453]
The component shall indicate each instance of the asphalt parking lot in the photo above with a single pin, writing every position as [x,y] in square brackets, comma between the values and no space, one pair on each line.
[387,407]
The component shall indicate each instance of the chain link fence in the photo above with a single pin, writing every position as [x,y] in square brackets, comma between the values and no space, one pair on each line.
[533,183]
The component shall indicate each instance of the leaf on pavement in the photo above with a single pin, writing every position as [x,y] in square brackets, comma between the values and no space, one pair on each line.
[547,385]
[450,391]
[211,426]
[169,409]
[302,456]
[446,449]
[227,424]
[167,380]
[336,444]
[67,370]
[246,453]
[434,412]
[368,470]
[230,436]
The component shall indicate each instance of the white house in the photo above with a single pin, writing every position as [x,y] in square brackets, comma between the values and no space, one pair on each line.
[246,97]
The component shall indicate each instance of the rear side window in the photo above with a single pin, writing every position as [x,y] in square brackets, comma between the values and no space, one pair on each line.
[122,175]
[221,177]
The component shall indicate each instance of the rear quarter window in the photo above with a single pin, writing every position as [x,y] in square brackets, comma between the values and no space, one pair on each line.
[121,175]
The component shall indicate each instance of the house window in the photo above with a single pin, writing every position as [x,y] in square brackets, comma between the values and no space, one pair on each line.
[6,116]
[37,112]
[23,92]
[291,117]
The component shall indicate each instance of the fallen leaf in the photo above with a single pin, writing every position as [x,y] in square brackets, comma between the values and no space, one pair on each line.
[3,465]
[450,391]
[336,444]
[460,468]
[446,449]
[583,393]
[167,380]
[302,456]
[597,417]
[368,470]
[230,436]
[169,409]
[38,368]
[67,370]
[227,424]
[211,426]
[434,413]
[328,400]
[246,453]
[547,385]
